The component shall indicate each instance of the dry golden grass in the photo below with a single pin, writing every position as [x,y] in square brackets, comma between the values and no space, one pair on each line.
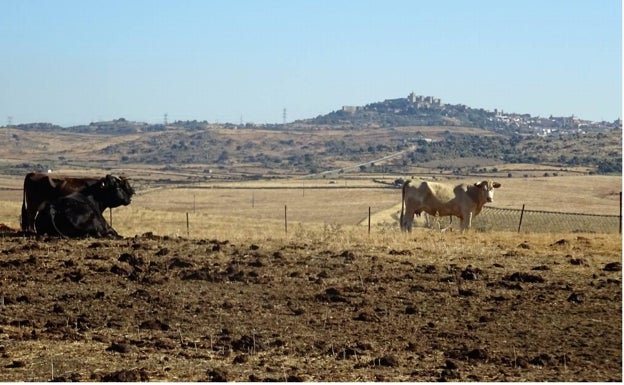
[48,147]
[256,209]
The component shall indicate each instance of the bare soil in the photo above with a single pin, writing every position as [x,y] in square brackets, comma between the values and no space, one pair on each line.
[448,307]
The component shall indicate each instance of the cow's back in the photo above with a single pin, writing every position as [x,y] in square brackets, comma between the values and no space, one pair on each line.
[440,199]
[443,193]
[66,186]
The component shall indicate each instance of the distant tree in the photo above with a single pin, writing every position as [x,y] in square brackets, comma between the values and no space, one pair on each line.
[609,166]
[223,157]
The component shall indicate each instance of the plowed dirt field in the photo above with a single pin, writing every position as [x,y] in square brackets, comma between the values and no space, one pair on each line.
[150,308]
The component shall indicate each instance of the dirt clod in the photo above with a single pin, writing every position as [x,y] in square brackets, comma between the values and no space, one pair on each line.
[477,354]
[576,298]
[561,242]
[613,266]
[120,348]
[127,375]
[523,277]
[385,361]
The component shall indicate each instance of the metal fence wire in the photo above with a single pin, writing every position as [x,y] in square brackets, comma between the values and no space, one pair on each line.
[535,221]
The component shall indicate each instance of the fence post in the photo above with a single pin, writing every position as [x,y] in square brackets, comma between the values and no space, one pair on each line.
[110,212]
[521,215]
[369,220]
[285,221]
[187,227]
[620,227]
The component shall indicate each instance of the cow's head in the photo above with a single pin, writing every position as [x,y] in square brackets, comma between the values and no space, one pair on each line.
[116,191]
[487,189]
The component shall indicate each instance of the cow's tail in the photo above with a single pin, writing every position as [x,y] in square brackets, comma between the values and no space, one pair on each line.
[24,219]
[403,203]
[52,215]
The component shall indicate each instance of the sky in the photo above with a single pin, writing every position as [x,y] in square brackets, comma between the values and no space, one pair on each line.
[71,62]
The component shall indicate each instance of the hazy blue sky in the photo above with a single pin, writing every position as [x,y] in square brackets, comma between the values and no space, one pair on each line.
[74,62]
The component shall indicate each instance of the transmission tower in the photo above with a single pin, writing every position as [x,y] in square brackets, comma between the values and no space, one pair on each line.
[284,116]
[165,119]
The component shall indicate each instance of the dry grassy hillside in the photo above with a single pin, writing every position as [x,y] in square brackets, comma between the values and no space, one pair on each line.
[209,152]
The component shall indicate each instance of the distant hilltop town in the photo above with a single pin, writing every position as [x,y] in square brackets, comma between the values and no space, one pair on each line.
[429,110]
[418,101]
[413,110]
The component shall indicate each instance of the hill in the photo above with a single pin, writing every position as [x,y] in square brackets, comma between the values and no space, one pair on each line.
[394,136]
[418,110]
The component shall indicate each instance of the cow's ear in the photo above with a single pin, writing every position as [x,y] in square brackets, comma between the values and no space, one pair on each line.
[496,185]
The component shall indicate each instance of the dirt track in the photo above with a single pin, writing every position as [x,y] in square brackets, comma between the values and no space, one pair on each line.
[152,308]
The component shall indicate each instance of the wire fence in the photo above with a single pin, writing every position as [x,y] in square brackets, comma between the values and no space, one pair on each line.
[489,219]
[528,221]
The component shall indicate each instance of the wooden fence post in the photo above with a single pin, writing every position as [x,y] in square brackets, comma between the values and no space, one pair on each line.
[521,215]
[285,221]
[620,227]
[187,227]
[110,212]
[369,220]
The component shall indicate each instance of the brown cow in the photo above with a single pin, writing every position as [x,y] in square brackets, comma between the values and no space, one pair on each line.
[40,189]
[463,201]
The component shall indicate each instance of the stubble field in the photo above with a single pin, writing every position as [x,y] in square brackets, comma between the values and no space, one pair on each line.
[237,297]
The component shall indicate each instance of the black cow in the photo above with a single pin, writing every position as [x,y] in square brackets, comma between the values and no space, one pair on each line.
[79,214]
[40,188]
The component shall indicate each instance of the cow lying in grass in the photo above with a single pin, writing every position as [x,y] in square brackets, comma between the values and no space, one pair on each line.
[41,188]
[79,214]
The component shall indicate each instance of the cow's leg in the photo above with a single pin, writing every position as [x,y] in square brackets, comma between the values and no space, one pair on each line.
[427,221]
[109,232]
[408,220]
[31,214]
[449,225]
[466,221]
[404,222]
[30,222]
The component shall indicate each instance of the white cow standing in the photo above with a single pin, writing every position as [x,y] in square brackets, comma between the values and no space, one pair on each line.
[463,201]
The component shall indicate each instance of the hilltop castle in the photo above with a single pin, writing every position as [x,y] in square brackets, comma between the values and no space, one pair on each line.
[420,101]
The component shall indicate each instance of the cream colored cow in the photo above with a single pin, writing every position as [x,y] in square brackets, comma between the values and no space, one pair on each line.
[463,201]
